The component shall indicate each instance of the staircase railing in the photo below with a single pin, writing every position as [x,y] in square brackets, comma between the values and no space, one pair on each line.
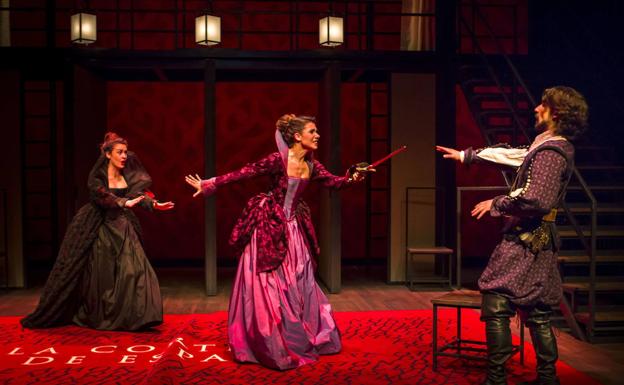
[590,247]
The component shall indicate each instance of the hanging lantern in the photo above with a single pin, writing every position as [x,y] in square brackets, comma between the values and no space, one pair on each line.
[207,30]
[83,28]
[331,33]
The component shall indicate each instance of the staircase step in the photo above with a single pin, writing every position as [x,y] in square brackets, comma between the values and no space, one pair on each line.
[609,187]
[592,147]
[485,82]
[500,129]
[502,117]
[485,85]
[494,105]
[595,152]
[600,167]
[603,231]
[602,316]
[490,101]
[497,97]
[586,209]
[585,258]
[470,71]
[503,135]
[571,287]
[495,112]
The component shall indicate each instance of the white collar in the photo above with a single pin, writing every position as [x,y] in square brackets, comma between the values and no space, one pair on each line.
[545,137]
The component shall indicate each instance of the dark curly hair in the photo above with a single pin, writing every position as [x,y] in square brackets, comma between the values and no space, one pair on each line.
[568,109]
[290,124]
[110,140]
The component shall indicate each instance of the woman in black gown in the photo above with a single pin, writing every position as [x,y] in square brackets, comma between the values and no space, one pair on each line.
[101,278]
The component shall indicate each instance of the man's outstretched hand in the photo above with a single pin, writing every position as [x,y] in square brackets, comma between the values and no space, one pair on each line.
[449,153]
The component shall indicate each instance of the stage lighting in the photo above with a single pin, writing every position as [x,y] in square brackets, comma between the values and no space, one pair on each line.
[83,28]
[331,32]
[207,30]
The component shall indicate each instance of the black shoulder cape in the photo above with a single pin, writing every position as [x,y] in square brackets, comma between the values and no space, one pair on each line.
[60,298]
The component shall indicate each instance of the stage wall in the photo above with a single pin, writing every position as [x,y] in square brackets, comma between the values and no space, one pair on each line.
[164,125]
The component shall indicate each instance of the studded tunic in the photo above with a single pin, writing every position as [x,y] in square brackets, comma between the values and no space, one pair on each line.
[514,271]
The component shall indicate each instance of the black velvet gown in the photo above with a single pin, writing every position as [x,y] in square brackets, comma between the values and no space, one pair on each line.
[102,278]
[119,288]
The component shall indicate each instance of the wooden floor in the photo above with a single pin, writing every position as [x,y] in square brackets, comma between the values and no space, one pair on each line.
[183,293]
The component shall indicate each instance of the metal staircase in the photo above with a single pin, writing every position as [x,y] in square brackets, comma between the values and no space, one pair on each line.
[594,286]
[590,220]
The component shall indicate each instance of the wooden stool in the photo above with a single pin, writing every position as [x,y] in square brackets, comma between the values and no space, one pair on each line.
[411,251]
[468,299]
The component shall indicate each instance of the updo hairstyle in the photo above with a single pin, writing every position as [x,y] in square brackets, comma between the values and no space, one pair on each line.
[290,124]
[110,140]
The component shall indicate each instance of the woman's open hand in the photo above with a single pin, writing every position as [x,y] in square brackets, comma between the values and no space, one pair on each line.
[131,202]
[195,182]
[163,206]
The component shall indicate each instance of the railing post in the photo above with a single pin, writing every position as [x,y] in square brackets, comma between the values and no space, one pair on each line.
[592,272]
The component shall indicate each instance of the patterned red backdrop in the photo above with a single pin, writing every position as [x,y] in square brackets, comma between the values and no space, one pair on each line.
[164,125]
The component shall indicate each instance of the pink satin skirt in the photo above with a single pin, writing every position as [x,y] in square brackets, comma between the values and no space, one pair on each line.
[281,318]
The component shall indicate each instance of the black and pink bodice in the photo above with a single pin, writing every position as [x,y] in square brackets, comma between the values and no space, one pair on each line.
[296,187]
[266,213]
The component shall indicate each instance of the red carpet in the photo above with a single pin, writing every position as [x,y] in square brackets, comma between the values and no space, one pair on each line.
[389,347]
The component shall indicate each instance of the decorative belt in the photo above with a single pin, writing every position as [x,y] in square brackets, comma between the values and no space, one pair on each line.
[539,238]
[551,216]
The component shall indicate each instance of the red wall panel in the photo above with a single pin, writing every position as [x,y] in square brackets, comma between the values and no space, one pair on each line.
[163,123]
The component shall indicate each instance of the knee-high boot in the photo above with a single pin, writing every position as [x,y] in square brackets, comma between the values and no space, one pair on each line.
[545,345]
[496,311]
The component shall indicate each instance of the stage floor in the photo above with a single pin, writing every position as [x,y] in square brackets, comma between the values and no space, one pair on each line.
[363,289]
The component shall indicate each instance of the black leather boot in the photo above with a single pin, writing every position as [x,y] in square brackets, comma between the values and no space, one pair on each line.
[545,345]
[496,311]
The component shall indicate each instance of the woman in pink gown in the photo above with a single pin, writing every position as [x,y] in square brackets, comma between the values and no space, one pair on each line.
[278,315]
